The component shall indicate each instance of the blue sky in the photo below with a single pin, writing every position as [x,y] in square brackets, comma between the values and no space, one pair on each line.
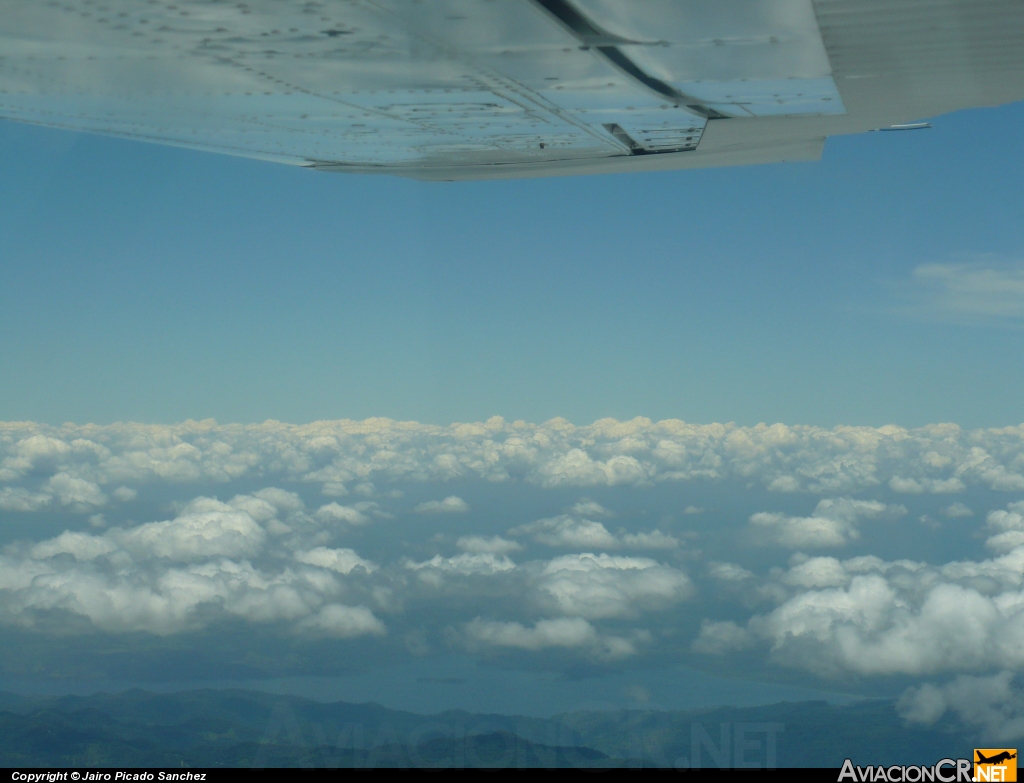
[155,284]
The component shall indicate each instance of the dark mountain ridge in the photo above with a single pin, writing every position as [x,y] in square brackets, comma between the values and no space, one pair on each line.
[256,729]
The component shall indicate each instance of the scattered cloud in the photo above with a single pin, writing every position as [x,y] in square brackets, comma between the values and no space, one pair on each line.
[832,524]
[601,586]
[567,531]
[1008,526]
[20,499]
[728,572]
[655,539]
[585,507]
[816,572]
[717,638]
[917,486]
[871,617]
[483,563]
[335,512]
[482,545]
[986,291]
[341,560]
[957,511]
[80,546]
[574,533]
[565,632]
[561,632]
[207,528]
[450,505]
[183,573]
[993,704]
[344,622]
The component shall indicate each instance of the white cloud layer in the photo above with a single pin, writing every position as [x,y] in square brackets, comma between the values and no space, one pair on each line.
[335,454]
[607,591]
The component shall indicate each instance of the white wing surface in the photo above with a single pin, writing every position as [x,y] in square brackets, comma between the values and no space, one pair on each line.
[474,89]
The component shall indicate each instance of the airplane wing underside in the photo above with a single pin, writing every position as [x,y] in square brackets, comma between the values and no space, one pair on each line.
[474,89]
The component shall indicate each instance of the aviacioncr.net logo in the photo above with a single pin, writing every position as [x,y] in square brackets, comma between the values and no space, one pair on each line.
[943,771]
[995,764]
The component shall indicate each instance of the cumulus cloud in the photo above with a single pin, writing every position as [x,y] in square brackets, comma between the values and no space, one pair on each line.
[20,499]
[161,601]
[561,632]
[283,502]
[80,546]
[916,486]
[868,616]
[206,528]
[30,452]
[335,512]
[994,704]
[655,539]
[485,563]
[125,494]
[76,492]
[577,468]
[61,489]
[582,585]
[450,505]
[957,511]
[567,531]
[576,532]
[812,572]
[601,586]
[341,560]
[181,574]
[717,638]
[585,507]
[1008,526]
[565,632]
[832,524]
[344,622]
[729,572]
[495,545]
